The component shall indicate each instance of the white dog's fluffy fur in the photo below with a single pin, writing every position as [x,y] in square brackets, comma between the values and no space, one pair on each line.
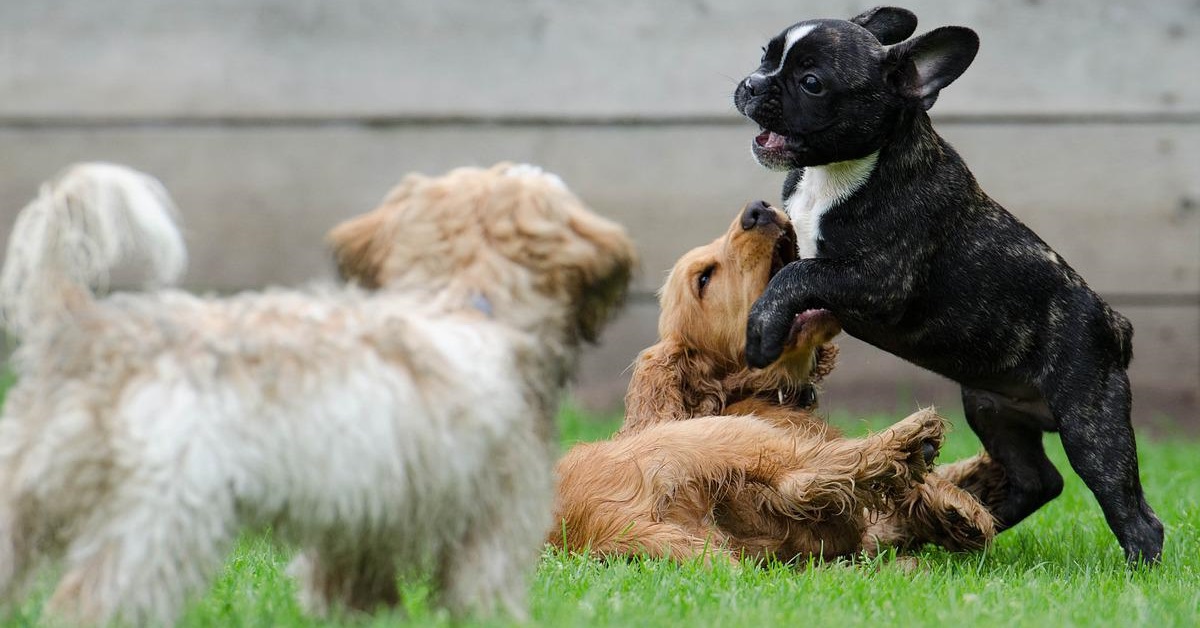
[406,427]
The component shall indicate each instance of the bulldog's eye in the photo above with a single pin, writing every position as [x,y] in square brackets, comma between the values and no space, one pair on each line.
[703,278]
[812,84]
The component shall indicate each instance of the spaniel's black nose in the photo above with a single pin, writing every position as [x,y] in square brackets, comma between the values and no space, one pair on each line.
[757,214]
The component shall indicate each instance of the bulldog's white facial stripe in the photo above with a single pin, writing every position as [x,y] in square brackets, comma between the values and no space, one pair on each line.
[795,34]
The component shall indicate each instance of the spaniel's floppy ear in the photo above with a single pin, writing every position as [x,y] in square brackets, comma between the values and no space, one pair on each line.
[359,248]
[670,383]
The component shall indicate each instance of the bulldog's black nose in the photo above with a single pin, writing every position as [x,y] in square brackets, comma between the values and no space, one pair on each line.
[757,214]
[755,84]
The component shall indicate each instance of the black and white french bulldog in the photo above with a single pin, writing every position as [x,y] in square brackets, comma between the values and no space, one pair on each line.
[900,243]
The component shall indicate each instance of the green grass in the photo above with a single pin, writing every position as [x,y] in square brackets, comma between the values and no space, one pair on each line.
[1061,567]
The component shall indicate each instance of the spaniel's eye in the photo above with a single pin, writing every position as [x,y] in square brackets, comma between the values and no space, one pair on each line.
[812,84]
[703,278]
[763,59]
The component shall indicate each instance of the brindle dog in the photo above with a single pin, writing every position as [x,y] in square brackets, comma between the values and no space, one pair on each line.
[906,250]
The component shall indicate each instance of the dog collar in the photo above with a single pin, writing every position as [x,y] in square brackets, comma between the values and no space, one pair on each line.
[803,398]
[480,302]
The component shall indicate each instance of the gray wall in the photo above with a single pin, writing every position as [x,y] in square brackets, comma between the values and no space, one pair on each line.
[270,120]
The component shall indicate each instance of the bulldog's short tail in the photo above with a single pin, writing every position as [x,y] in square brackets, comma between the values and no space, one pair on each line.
[92,220]
[1123,336]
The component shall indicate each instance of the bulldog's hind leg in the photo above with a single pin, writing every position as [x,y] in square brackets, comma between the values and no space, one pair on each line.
[1098,438]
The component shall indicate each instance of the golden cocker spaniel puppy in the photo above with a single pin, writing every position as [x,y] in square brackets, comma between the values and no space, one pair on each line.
[716,457]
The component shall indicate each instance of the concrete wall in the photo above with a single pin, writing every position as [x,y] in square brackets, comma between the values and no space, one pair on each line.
[270,120]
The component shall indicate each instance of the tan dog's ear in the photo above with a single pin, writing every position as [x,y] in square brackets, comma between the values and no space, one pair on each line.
[670,384]
[603,297]
[361,245]
[357,248]
[577,251]
[605,272]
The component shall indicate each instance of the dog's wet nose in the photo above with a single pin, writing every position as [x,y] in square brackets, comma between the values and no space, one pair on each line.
[754,84]
[757,214]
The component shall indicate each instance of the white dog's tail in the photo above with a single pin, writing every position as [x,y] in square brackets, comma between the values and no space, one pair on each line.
[91,220]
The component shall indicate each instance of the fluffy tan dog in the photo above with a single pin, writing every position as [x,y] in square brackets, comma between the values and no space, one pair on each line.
[667,486]
[379,431]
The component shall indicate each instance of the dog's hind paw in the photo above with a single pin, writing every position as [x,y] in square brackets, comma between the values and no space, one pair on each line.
[965,525]
[939,512]
[971,529]
[918,439]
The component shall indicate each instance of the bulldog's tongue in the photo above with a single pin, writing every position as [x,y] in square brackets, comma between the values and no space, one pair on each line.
[768,139]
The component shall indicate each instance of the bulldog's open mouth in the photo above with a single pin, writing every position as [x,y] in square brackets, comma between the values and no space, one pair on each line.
[771,150]
[770,140]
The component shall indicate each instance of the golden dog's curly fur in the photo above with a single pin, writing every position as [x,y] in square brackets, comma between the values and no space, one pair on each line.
[380,431]
[671,484]
[731,486]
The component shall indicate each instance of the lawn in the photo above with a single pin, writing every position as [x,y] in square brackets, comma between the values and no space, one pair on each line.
[1060,567]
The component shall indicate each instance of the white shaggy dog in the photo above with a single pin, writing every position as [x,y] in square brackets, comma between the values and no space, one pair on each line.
[406,427]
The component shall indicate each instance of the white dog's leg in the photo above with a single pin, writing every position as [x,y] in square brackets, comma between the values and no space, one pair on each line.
[486,572]
[26,540]
[143,557]
[15,554]
[363,581]
[20,556]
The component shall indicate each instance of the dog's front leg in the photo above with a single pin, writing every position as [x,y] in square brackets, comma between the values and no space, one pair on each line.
[1013,438]
[849,288]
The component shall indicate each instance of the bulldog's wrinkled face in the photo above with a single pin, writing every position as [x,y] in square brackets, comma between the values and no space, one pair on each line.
[819,95]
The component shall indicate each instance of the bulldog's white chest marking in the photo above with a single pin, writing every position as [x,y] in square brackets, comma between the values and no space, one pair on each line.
[823,187]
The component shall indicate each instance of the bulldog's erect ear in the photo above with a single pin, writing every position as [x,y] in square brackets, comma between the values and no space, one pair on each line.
[890,25]
[938,57]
